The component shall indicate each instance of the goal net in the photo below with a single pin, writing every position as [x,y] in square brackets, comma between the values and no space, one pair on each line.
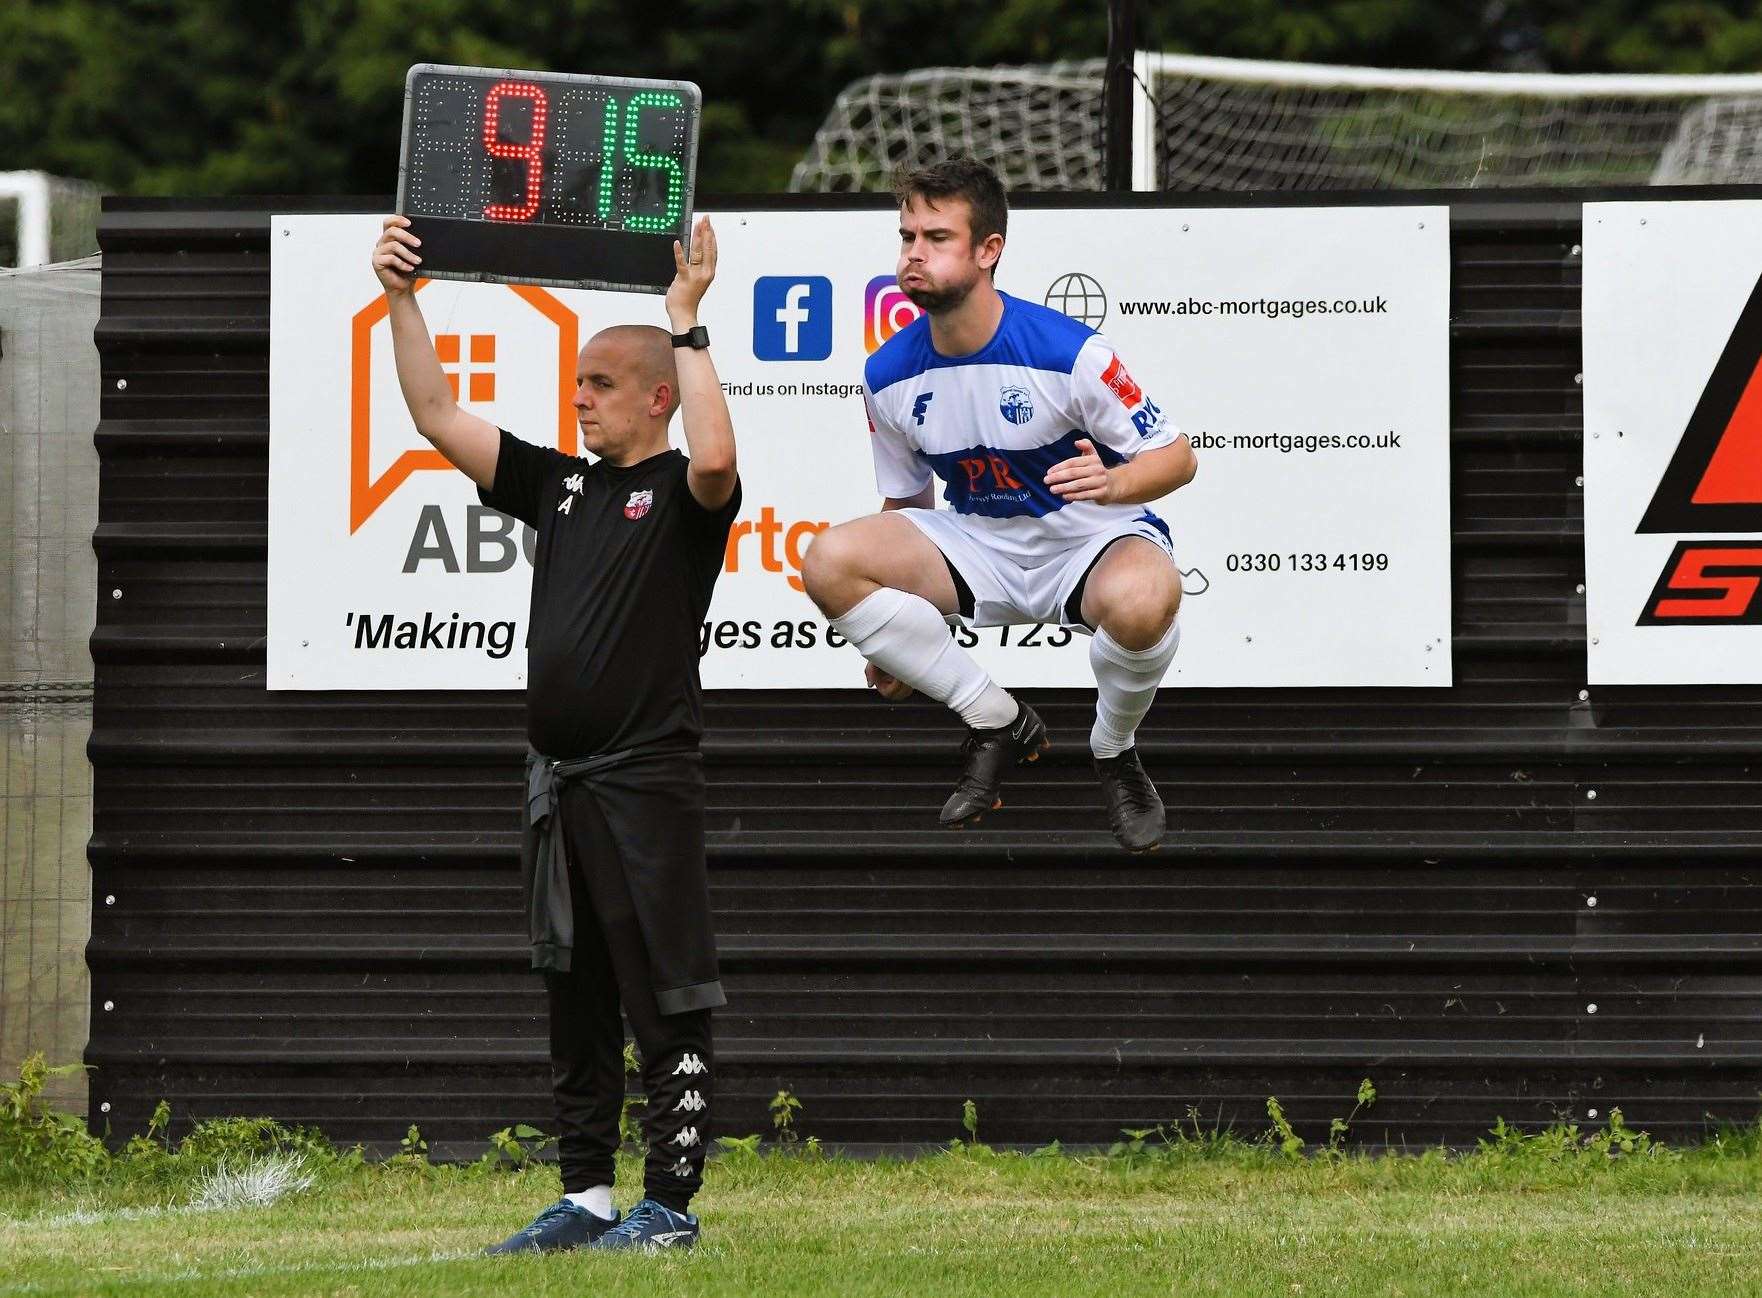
[1038,127]
[1232,124]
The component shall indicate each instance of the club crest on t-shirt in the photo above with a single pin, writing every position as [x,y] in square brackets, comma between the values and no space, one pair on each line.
[640,503]
[1015,404]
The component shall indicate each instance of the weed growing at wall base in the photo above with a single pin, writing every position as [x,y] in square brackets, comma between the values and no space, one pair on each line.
[38,1144]
[42,1150]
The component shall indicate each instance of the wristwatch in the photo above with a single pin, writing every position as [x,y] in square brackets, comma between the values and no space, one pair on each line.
[697,336]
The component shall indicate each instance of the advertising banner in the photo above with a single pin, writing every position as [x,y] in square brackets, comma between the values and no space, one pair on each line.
[1673,442]
[1304,351]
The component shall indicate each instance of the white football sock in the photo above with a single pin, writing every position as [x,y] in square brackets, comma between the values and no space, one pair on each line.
[597,1200]
[1125,686]
[906,637]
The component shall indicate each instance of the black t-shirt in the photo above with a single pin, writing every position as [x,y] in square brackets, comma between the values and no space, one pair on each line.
[622,574]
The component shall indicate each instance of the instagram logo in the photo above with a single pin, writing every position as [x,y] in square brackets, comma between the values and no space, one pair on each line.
[886,310]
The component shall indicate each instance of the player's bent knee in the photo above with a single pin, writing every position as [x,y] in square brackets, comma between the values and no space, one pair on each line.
[1139,607]
[832,562]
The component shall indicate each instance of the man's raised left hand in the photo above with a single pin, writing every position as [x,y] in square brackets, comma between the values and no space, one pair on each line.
[691,275]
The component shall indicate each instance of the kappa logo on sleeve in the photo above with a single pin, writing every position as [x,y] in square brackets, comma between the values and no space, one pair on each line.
[574,482]
[1713,484]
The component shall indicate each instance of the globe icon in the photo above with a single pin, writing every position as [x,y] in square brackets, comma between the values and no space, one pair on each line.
[1079,297]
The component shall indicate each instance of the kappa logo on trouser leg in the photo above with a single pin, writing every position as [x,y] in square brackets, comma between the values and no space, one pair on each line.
[690,1066]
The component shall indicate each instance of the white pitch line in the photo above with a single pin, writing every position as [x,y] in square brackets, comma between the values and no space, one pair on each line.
[193,1274]
[96,1217]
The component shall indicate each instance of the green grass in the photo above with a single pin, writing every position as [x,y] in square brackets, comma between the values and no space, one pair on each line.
[1179,1211]
[1527,1217]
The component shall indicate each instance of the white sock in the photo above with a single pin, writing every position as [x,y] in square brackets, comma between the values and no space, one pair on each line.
[906,637]
[1125,687]
[597,1200]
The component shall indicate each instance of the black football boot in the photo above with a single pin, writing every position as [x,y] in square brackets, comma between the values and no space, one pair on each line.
[1134,809]
[989,754]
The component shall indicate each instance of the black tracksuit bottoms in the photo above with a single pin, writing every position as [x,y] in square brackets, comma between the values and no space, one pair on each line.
[611,965]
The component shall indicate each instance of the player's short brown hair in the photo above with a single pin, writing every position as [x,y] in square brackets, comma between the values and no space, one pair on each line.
[959,178]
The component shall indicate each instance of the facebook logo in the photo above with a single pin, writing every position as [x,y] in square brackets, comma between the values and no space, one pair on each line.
[792,318]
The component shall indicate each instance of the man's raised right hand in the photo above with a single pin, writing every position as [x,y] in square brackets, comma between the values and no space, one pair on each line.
[394,256]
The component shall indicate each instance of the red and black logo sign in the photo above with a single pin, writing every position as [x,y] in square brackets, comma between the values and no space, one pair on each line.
[1714,484]
[1708,583]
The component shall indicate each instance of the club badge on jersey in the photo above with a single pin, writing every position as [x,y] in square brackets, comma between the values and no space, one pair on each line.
[640,503]
[1015,404]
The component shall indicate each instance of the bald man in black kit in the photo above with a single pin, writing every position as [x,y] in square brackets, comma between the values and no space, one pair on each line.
[629,549]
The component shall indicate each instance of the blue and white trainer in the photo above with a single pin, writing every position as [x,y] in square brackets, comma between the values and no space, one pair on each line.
[561,1226]
[649,1226]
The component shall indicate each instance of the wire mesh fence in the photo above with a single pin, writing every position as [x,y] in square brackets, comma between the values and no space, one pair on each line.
[48,508]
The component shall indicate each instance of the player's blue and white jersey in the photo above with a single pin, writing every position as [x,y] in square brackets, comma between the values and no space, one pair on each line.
[991,424]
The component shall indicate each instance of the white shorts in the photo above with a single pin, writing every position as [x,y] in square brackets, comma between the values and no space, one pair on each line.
[1007,595]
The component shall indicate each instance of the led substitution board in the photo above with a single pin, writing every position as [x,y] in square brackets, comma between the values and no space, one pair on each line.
[548,177]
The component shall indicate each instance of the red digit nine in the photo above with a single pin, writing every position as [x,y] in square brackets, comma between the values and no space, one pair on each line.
[530,153]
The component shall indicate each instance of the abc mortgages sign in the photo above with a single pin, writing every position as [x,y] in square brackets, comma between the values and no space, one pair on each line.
[1315,542]
[1673,442]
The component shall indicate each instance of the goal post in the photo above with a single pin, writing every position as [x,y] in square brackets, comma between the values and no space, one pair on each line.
[46,218]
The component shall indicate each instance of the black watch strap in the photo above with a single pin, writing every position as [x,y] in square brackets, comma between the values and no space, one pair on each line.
[696,336]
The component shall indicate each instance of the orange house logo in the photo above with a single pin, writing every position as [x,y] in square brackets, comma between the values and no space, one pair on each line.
[469,360]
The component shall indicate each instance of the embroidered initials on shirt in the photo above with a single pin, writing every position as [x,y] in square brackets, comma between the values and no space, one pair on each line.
[975,469]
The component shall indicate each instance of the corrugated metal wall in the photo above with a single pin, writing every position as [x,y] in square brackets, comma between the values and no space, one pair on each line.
[306,905]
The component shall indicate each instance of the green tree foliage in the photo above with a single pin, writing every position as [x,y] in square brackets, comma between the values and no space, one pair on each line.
[304,96]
